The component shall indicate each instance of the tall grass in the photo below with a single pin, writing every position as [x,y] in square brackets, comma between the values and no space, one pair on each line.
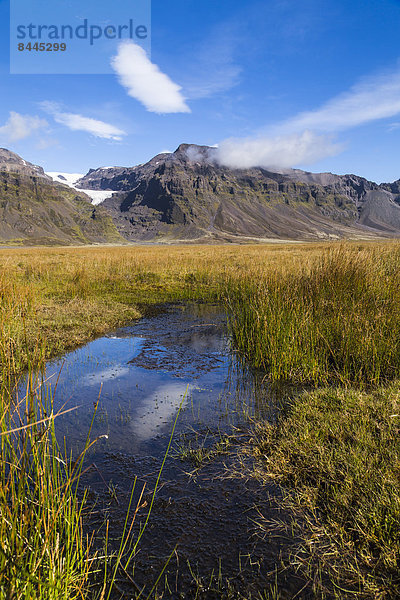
[335,319]
[43,552]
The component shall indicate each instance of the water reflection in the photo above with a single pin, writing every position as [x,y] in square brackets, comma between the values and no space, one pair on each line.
[143,373]
[162,405]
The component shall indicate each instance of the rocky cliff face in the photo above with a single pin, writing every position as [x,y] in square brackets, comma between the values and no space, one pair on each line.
[35,210]
[394,188]
[187,195]
[12,163]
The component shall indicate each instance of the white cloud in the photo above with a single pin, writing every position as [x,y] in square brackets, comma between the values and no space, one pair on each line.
[97,128]
[307,137]
[219,78]
[77,122]
[145,82]
[19,126]
[372,99]
[275,152]
[45,143]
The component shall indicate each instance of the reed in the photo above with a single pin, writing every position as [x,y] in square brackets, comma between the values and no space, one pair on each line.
[336,319]
[43,552]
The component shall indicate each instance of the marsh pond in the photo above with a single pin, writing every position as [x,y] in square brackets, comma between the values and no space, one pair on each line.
[210,519]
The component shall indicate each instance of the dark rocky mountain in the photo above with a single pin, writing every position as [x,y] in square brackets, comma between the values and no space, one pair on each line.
[187,195]
[35,210]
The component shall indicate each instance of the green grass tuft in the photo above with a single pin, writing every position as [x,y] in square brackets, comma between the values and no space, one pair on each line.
[337,319]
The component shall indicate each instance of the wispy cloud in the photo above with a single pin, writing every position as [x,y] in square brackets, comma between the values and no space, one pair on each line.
[145,82]
[45,143]
[308,136]
[221,77]
[369,100]
[213,67]
[77,122]
[20,126]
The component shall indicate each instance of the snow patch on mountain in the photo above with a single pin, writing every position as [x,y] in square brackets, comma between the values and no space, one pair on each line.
[71,179]
[97,196]
[66,178]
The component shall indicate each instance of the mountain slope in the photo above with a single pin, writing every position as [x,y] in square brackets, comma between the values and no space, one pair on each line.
[35,210]
[187,195]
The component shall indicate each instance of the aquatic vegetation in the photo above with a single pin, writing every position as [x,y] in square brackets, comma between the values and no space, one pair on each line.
[43,552]
[199,448]
[310,313]
[336,318]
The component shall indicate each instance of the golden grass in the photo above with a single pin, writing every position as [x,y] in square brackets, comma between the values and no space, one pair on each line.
[64,296]
[58,298]
[335,318]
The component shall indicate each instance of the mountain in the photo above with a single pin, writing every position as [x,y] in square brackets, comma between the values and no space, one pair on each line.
[12,163]
[36,210]
[188,195]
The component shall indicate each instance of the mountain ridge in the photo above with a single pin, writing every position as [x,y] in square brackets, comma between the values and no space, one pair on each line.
[188,195]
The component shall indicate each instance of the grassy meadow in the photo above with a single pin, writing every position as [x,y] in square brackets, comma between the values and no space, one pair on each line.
[324,316]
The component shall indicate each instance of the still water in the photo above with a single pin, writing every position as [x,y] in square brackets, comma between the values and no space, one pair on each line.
[143,374]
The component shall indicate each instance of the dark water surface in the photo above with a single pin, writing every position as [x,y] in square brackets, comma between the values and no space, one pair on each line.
[142,375]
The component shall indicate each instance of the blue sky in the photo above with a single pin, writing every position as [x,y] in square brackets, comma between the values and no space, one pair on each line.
[305,83]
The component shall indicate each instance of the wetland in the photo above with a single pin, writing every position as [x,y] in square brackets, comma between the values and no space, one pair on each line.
[200,422]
